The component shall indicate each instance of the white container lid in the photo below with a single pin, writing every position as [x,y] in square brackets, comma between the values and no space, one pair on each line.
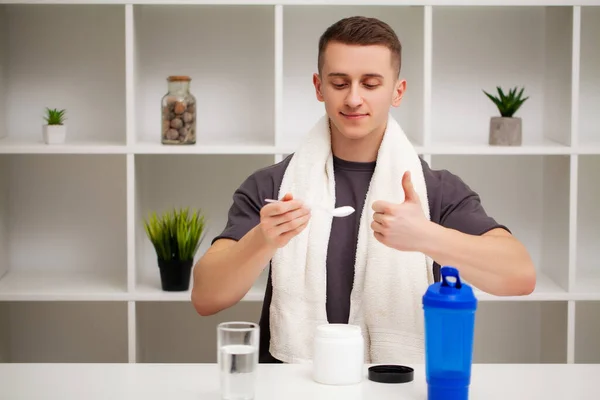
[338,331]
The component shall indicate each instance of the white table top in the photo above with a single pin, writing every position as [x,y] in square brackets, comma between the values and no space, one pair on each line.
[280,381]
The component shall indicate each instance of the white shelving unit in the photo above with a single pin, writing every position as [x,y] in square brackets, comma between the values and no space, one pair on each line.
[78,277]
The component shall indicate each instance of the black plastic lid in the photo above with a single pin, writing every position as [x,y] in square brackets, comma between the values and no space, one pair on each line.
[391,373]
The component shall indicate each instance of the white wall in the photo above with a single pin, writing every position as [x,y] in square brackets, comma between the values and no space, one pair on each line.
[228,53]
[58,70]
[4,333]
[68,332]
[3,69]
[68,213]
[589,117]
[4,214]
[479,48]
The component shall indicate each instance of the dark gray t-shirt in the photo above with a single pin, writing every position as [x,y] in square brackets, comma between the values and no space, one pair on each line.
[452,204]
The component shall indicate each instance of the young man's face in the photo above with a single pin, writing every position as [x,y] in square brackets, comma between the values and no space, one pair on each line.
[358,85]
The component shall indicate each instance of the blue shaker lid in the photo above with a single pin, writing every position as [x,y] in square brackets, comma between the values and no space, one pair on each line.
[448,294]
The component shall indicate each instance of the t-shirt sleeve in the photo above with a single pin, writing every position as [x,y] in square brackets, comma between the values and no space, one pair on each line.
[462,209]
[244,212]
[249,198]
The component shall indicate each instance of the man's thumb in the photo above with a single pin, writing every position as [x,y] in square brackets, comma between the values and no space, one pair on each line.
[409,191]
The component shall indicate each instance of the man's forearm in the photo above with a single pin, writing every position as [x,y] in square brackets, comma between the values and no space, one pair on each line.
[495,263]
[224,275]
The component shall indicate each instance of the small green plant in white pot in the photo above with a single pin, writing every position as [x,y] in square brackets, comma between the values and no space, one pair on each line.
[55,130]
[506,129]
[176,236]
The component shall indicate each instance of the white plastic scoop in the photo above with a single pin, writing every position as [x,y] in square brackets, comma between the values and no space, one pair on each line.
[336,212]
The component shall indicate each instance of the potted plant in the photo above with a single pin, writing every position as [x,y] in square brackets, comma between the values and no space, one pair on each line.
[176,236]
[506,130]
[55,130]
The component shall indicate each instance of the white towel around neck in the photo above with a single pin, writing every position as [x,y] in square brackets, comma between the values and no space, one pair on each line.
[388,284]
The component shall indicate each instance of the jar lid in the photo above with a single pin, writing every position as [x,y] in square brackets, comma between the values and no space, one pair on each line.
[176,78]
[338,330]
[391,373]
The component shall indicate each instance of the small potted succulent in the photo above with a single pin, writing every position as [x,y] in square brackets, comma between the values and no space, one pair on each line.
[55,130]
[506,129]
[176,236]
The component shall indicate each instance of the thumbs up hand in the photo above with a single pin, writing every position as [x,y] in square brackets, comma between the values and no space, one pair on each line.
[401,226]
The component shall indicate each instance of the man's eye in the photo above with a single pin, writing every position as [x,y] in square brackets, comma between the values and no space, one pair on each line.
[339,85]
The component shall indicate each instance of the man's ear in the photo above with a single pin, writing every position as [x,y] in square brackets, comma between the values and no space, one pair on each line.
[317,83]
[399,89]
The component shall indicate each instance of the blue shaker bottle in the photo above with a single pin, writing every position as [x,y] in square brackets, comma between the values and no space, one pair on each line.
[449,307]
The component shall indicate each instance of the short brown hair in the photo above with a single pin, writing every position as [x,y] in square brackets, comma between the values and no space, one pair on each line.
[362,31]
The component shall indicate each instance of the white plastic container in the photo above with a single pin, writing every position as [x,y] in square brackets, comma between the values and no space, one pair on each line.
[338,357]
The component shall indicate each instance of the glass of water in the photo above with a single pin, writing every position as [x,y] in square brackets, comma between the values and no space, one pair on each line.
[237,344]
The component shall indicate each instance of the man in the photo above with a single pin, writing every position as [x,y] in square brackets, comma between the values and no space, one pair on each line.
[358,81]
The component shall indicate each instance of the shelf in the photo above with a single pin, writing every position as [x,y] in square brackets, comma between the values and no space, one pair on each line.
[4,65]
[546,290]
[589,77]
[149,289]
[17,145]
[587,283]
[487,3]
[60,224]
[587,331]
[541,221]
[173,332]
[210,146]
[59,332]
[456,147]
[231,66]
[205,182]
[42,285]
[301,108]
[587,274]
[591,146]
[4,215]
[521,333]
[46,65]
[530,146]
[479,48]
[79,280]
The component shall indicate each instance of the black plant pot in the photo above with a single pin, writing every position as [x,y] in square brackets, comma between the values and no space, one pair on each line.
[175,274]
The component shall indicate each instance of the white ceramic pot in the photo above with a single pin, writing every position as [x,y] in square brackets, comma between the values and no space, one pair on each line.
[55,134]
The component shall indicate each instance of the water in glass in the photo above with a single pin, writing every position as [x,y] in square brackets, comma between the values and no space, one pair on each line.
[238,359]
